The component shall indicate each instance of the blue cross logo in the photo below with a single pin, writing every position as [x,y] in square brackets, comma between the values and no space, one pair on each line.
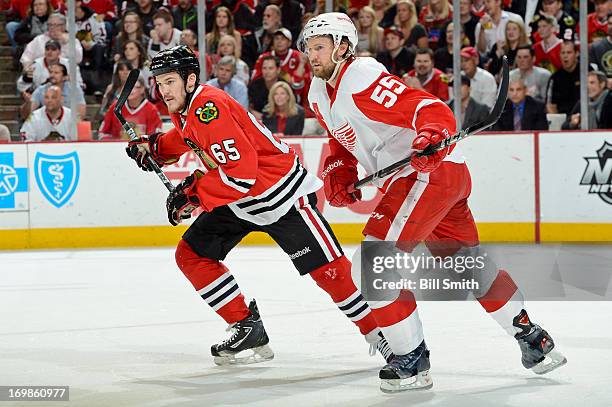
[12,180]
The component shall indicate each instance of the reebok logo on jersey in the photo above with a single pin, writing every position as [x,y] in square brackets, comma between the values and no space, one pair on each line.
[335,164]
[377,216]
[299,253]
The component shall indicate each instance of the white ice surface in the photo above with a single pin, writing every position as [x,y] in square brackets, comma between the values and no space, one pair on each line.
[125,328]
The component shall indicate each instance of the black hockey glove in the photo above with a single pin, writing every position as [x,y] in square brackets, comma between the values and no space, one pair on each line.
[184,199]
[141,148]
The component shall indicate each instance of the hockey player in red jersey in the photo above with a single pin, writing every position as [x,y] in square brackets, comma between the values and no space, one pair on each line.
[254,182]
[374,119]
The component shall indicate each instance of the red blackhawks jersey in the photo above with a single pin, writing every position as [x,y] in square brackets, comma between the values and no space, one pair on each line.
[597,29]
[548,58]
[373,117]
[435,84]
[289,67]
[144,119]
[257,176]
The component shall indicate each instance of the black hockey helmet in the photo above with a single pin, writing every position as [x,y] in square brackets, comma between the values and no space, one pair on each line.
[176,59]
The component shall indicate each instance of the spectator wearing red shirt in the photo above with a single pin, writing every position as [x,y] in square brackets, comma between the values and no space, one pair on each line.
[598,20]
[548,50]
[430,79]
[138,111]
[105,8]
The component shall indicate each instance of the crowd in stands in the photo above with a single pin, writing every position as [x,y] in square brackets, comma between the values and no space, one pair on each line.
[251,54]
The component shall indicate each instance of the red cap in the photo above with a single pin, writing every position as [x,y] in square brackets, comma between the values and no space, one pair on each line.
[394,30]
[469,52]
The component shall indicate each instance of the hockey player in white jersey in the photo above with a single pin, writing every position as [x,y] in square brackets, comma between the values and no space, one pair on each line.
[374,119]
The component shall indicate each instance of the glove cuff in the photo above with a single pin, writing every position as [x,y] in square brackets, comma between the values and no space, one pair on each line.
[335,163]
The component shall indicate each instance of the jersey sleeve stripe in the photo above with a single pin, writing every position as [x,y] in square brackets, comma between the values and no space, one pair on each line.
[423,103]
[236,183]
[266,132]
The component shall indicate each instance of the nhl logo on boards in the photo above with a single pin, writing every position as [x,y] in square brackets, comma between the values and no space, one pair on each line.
[207,113]
[598,173]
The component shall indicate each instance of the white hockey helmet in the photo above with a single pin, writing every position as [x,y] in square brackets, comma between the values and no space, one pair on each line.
[338,25]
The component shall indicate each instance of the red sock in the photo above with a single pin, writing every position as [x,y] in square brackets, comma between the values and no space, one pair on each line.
[335,278]
[213,282]
[500,292]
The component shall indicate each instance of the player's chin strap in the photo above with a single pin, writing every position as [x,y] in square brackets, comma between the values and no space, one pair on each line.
[189,95]
[338,63]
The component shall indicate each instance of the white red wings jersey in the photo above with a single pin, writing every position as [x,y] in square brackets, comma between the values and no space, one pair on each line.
[258,176]
[374,116]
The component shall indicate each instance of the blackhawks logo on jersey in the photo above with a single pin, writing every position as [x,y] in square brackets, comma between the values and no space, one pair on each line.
[207,113]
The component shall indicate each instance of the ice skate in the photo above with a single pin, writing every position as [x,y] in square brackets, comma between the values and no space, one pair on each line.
[248,343]
[377,342]
[407,372]
[536,346]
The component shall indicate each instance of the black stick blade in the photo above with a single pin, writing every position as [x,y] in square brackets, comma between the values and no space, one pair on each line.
[127,89]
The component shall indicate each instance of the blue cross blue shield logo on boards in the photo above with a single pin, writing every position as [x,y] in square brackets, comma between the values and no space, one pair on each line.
[57,176]
[12,180]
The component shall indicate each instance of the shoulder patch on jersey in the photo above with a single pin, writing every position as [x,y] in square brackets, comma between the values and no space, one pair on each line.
[569,21]
[443,78]
[207,113]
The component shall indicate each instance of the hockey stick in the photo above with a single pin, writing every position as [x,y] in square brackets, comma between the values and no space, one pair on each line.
[127,89]
[502,94]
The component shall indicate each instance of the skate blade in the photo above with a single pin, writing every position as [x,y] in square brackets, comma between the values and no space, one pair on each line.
[421,381]
[552,361]
[246,357]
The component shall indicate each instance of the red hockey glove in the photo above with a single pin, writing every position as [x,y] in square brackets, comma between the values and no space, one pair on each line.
[183,200]
[430,162]
[143,147]
[338,175]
